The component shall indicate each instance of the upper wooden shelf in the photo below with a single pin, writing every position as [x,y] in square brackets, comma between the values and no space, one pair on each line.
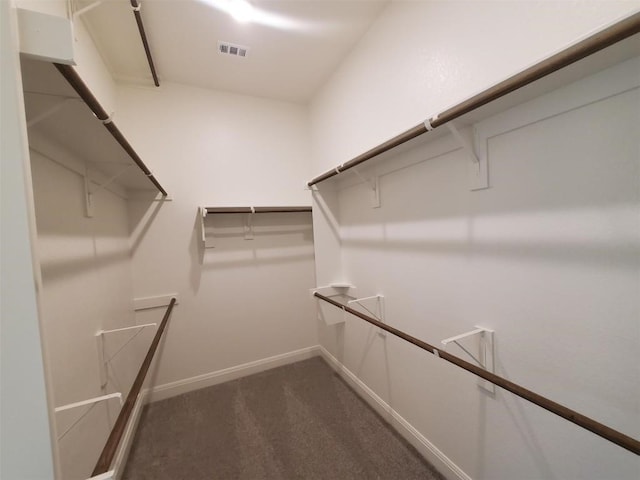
[58,111]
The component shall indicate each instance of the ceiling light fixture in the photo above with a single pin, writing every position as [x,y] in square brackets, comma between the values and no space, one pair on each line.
[241,10]
[244,12]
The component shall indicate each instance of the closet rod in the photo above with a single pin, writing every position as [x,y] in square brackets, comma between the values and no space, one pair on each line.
[605,38]
[257,209]
[110,448]
[583,421]
[71,75]
[136,11]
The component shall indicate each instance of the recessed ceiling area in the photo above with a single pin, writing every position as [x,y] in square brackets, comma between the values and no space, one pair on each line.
[295,46]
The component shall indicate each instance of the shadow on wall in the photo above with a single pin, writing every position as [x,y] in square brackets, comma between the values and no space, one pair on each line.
[554,197]
[514,407]
[61,268]
[237,240]
[142,212]
[624,256]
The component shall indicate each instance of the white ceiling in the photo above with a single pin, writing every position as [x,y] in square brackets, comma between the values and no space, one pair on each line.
[288,63]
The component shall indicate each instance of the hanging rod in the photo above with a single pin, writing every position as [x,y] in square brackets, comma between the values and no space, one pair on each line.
[583,421]
[110,448]
[135,5]
[603,39]
[256,209]
[71,75]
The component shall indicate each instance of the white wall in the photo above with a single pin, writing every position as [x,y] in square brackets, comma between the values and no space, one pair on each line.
[85,277]
[86,287]
[547,256]
[421,57]
[89,63]
[25,440]
[245,300]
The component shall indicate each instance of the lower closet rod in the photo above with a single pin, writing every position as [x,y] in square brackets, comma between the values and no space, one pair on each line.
[583,421]
[110,448]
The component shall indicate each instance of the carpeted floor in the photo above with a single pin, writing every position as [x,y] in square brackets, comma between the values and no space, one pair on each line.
[300,421]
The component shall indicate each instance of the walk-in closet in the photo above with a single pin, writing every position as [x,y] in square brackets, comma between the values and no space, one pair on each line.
[320,239]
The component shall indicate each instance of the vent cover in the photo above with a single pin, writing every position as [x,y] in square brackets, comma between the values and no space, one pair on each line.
[226,48]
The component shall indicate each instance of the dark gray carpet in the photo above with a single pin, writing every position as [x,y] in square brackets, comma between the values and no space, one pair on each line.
[300,421]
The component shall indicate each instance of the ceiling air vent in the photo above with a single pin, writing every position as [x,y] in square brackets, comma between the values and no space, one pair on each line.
[227,48]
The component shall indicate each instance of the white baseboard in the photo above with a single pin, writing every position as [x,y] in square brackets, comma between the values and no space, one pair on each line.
[127,439]
[179,387]
[427,449]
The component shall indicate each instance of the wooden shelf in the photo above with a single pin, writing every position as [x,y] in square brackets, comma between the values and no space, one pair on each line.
[55,111]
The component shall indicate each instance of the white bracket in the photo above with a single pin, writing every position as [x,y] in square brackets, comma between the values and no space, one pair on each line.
[88,197]
[477,170]
[248,225]
[373,184]
[92,402]
[50,111]
[333,290]
[207,243]
[485,357]
[145,303]
[110,475]
[89,7]
[379,309]
[124,329]
[102,363]
[88,193]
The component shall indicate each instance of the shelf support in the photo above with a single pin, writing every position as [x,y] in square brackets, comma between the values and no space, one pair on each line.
[334,289]
[90,401]
[477,170]
[88,193]
[248,225]
[485,357]
[373,185]
[50,111]
[202,214]
[88,197]
[379,309]
[88,8]
[342,289]
[110,475]
[102,362]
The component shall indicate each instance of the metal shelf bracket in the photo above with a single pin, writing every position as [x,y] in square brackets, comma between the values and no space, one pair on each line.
[88,8]
[485,356]
[102,362]
[377,312]
[51,110]
[333,290]
[206,242]
[477,170]
[248,225]
[373,185]
[89,193]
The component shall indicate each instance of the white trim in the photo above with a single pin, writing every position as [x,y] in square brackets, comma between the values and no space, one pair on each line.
[603,85]
[144,303]
[110,475]
[89,402]
[428,450]
[179,387]
[127,439]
